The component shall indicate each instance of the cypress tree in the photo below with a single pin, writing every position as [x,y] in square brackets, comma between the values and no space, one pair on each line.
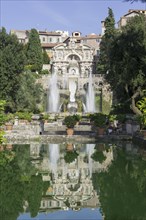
[46,59]
[34,51]
[106,42]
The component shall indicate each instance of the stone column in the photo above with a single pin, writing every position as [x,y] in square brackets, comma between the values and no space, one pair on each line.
[82,71]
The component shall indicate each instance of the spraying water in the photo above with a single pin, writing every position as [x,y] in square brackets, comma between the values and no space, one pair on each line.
[90,96]
[90,150]
[54,156]
[53,94]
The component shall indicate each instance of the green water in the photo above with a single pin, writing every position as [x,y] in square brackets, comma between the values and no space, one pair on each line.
[73,181]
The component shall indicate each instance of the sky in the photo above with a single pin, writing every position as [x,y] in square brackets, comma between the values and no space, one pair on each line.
[83,214]
[68,15]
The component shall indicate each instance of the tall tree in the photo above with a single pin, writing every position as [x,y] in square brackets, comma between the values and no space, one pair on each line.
[127,72]
[46,59]
[34,51]
[30,94]
[106,42]
[12,61]
[122,188]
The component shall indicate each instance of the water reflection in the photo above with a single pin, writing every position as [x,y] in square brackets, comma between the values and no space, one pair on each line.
[53,158]
[46,178]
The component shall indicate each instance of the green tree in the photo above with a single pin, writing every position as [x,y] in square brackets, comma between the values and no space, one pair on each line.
[127,72]
[12,188]
[106,42]
[18,183]
[34,51]
[12,61]
[46,59]
[122,188]
[2,120]
[35,189]
[30,94]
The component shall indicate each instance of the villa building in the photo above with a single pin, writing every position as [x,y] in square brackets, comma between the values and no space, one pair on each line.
[131,13]
[70,183]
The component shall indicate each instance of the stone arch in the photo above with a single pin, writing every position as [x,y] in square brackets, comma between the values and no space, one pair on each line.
[70,55]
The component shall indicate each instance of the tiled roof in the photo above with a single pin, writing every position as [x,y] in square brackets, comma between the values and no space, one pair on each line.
[49,44]
[49,33]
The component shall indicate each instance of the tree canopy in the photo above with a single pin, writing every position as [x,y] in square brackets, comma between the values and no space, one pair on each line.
[121,188]
[30,94]
[107,39]
[11,66]
[34,51]
[127,69]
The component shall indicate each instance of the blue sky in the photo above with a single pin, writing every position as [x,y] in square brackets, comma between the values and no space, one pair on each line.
[86,214]
[71,15]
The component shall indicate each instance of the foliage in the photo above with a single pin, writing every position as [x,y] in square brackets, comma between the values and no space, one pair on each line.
[43,72]
[24,115]
[35,189]
[98,156]
[80,105]
[99,120]
[70,121]
[2,120]
[29,95]
[121,108]
[127,72]
[11,66]
[46,116]
[106,106]
[122,188]
[46,59]
[46,185]
[119,117]
[141,104]
[106,42]
[70,156]
[18,183]
[34,51]
[77,117]
[12,191]
[141,119]
[2,115]
[2,138]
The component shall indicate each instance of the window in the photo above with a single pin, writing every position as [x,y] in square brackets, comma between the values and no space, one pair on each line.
[43,38]
[76,34]
[50,39]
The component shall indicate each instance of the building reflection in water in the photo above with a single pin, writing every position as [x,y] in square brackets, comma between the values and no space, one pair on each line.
[70,183]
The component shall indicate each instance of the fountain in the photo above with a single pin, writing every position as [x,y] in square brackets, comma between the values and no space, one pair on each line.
[53,156]
[90,150]
[90,96]
[53,94]
[72,105]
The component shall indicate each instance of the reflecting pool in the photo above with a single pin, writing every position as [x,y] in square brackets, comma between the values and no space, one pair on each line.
[73,181]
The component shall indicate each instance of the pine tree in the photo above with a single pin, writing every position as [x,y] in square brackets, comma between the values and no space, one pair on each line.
[34,51]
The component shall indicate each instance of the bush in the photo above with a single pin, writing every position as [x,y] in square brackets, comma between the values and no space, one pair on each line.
[77,117]
[44,72]
[70,156]
[24,115]
[100,120]
[70,121]
[98,156]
